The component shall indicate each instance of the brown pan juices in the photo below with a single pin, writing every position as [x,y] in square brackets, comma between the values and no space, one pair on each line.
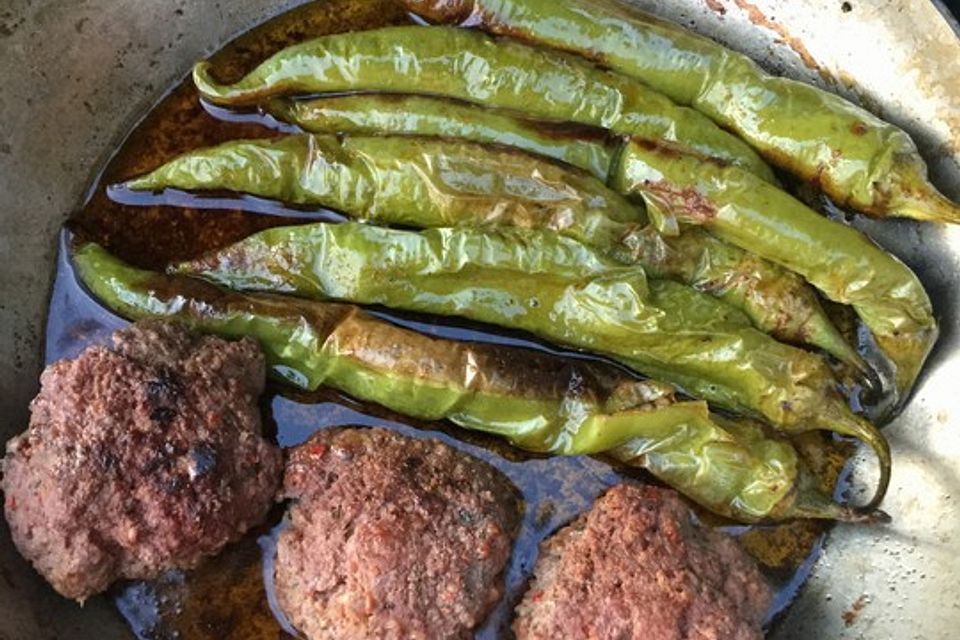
[227,597]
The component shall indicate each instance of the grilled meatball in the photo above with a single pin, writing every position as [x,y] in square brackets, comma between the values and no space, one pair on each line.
[140,458]
[637,566]
[391,537]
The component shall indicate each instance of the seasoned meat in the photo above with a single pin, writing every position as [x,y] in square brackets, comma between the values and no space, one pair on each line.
[140,458]
[391,537]
[637,566]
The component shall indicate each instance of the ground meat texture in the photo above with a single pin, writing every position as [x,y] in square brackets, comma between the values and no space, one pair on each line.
[391,537]
[637,566]
[140,458]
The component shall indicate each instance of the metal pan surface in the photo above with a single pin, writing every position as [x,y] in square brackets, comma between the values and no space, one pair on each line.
[76,75]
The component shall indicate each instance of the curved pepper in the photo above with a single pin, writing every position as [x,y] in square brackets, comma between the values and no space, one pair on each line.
[534,281]
[413,181]
[856,158]
[539,402]
[837,259]
[474,67]
[423,182]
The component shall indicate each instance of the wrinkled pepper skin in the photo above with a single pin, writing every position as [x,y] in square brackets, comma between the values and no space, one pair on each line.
[534,281]
[837,259]
[423,182]
[474,67]
[777,301]
[379,113]
[420,182]
[856,158]
[539,402]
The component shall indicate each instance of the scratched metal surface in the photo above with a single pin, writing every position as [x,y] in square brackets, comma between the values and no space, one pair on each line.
[75,75]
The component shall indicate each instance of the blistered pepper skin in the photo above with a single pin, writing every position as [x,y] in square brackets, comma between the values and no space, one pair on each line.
[856,158]
[539,402]
[375,113]
[418,182]
[535,281]
[837,259]
[426,182]
[477,68]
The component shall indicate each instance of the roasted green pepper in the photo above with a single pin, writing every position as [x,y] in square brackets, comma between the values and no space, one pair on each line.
[534,281]
[837,259]
[539,402]
[855,157]
[385,113]
[424,182]
[477,68]
[420,182]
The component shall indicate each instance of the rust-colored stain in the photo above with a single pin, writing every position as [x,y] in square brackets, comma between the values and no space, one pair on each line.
[850,615]
[686,200]
[716,7]
[759,18]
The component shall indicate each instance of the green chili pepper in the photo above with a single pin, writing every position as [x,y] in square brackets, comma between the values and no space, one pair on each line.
[855,157]
[477,68]
[539,402]
[534,281]
[378,113]
[837,259]
[412,181]
[434,183]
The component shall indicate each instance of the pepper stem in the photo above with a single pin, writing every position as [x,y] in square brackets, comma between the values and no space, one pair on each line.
[217,93]
[919,200]
[808,503]
[856,427]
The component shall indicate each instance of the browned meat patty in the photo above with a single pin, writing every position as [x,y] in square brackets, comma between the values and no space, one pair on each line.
[140,458]
[636,566]
[391,537]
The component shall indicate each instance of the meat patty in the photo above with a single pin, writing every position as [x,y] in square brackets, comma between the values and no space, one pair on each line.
[140,458]
[637,566]
[391,537]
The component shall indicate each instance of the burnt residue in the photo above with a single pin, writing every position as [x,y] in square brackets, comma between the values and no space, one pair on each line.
[850,615]
[575,132]
[670,149]
[695,206]
[223,598]
[203,459]
[491,22]
[165,388]
[226,597]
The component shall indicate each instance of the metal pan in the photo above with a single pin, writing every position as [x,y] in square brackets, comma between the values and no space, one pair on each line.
[75,76]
